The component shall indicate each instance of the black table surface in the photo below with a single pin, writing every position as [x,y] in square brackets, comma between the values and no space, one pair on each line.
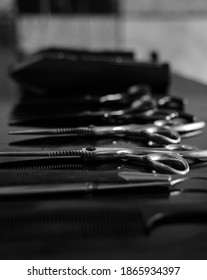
[36,228]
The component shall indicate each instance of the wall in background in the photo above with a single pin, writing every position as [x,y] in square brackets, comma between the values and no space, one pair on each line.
[162,6]
[175,28]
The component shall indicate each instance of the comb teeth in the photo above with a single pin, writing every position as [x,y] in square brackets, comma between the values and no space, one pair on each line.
[71,225]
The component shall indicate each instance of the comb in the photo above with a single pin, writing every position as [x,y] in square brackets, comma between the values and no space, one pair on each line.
[87,222]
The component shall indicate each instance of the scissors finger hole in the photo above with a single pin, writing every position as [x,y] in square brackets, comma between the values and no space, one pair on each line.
[161,135]
[170,163]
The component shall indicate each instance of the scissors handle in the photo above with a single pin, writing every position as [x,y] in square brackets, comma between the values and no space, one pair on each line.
[160,135]
[171,163]
[162,162]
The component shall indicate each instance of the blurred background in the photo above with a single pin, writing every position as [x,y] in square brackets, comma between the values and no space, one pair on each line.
[176,29]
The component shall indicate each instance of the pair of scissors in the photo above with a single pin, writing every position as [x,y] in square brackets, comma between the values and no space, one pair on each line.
[59,163]
[161,132]
[157,134]
[162,160]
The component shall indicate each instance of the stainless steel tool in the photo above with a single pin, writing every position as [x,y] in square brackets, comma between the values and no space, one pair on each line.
[160,160]
[158,134]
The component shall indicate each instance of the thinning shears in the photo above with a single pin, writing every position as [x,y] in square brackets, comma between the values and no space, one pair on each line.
[159,160]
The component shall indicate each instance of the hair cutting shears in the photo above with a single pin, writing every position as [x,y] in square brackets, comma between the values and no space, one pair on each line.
[158,134]
[170,159]
[162,160]
[54,163]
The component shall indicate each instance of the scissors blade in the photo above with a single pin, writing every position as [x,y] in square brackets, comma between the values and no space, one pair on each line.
[55,131]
